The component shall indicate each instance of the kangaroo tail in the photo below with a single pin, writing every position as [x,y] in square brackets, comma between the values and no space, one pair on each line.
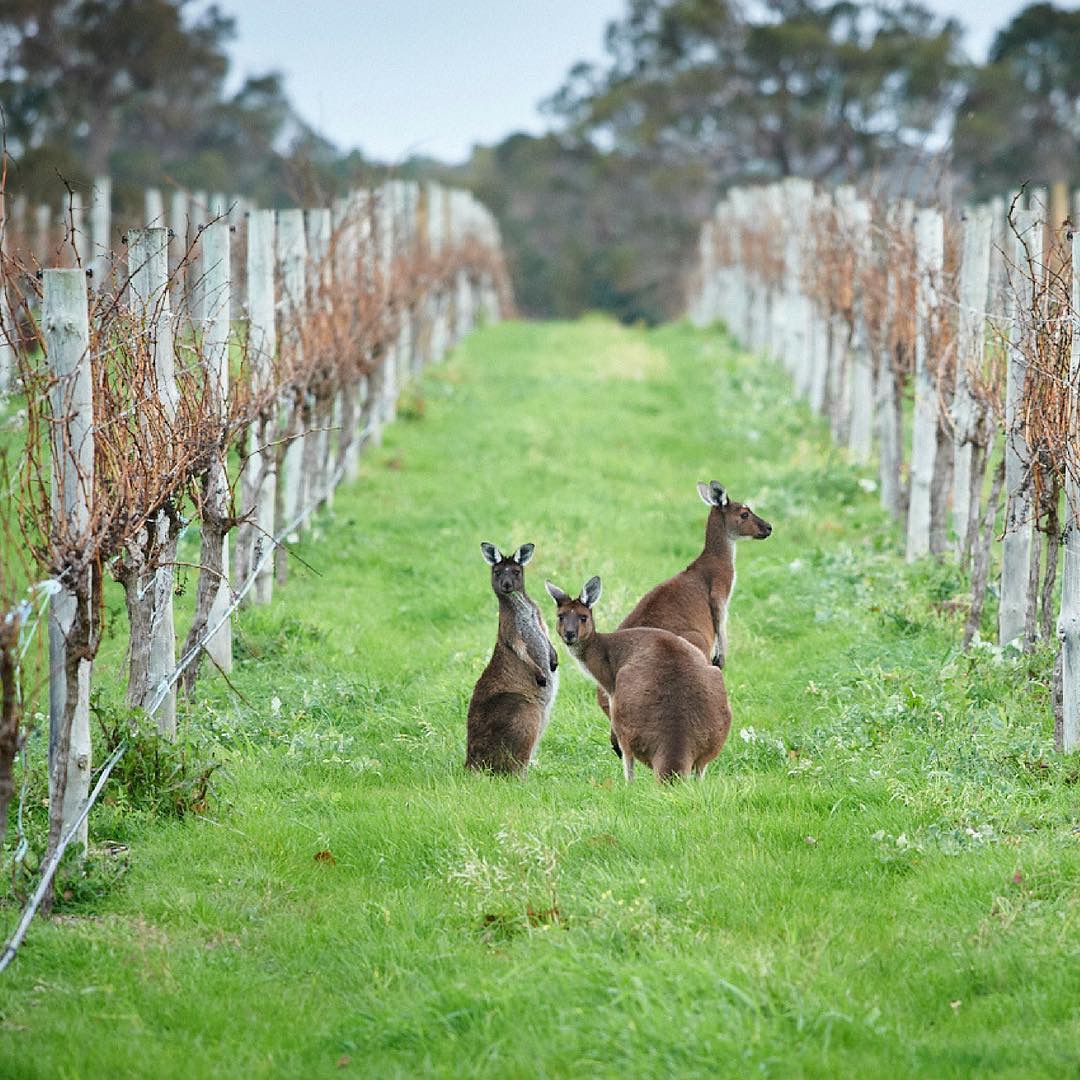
[668,765]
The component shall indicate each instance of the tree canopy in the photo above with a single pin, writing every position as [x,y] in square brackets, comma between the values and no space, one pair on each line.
[809,89]
[1020,117]
[692,96]
[136,88]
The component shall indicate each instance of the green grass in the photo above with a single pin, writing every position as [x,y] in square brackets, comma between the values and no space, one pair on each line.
[877,877]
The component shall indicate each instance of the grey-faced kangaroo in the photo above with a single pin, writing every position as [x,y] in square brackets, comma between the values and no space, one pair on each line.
[513,698]
[694,603]
[669,706]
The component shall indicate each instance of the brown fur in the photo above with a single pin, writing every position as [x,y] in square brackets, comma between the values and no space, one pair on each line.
[513,697]
[693,604]
[670,705]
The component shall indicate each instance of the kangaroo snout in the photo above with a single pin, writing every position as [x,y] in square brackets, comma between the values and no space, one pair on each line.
[764,531]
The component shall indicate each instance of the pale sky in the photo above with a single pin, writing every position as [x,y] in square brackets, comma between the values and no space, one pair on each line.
[397,77]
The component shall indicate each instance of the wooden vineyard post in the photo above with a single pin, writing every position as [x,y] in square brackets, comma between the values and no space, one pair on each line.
[861,428]
[198,209]
[838,392]
[346,281]
[43,232]
[153,207]
[316,466]
[1069,621]
[929,259]
[260,468]
[800,194]
[970,344]
[407,353]
[100,227]
[67,339]
[150,591]
[178,226]
[75,248]
[818,376]
[388,245]
[1016,546]
[292,258]
[7,342]
[215,551]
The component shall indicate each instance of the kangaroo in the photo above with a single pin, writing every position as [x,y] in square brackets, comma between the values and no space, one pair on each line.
[513,698]
[669,706]
[694,603]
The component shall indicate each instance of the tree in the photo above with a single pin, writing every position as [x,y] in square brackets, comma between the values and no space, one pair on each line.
[135,88]
[80,76]
[1020,118]
[814,89]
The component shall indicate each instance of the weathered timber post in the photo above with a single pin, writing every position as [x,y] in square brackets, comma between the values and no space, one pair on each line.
[153,207]
[259,481]
[43,228]
[861,423]
[8,338]
[75,247]
[1019,524]
[149,582]
[799,198]
[929,259]
[970,345]
[346,221]
[100,227]
[887,391]
[318,225]
[214,560]
[388,243]
[1069,621]
[67,341]
[178,226]
[818,387]
[292,258]
[198,213]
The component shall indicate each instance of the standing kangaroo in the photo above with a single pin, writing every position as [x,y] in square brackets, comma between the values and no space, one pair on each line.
[669,707]
[694,603]
[512,699]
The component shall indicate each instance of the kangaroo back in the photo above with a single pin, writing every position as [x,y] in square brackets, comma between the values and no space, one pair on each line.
[694,602]
[669,707]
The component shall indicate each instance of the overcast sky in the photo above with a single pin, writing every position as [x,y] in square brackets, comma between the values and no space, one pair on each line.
[434,77]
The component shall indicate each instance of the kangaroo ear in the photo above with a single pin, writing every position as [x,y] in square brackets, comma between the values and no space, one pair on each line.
[713,494]
[524,554]
[591,593]
[492,554]
[556,593]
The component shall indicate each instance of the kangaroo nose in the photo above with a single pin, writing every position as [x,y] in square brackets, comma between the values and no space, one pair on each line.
[507,586]
[571,637]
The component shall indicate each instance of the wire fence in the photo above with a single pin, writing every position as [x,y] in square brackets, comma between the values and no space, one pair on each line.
[959,324]
[279,339]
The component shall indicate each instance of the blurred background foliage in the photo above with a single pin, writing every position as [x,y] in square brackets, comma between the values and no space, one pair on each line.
[693,96]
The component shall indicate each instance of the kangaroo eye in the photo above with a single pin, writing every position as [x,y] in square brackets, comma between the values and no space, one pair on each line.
[745,515]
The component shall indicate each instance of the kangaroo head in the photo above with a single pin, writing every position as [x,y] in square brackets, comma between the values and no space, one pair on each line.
[574,617]
[507,571]
[739,521]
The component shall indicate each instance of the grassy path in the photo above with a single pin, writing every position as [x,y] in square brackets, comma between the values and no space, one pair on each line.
[879,875]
